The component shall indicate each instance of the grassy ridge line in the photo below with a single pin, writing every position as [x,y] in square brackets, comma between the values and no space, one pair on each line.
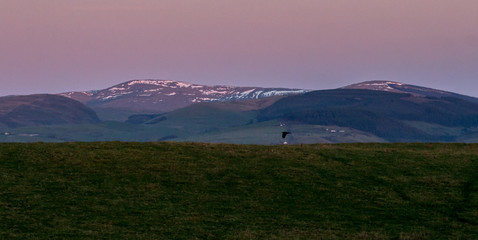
[195,190]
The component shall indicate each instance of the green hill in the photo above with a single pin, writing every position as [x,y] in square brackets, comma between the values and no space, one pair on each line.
[125,190]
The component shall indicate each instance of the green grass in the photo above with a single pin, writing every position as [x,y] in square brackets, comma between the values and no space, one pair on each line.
[436,129]
[112,114]
[206,129]
[104,131]
[122,190]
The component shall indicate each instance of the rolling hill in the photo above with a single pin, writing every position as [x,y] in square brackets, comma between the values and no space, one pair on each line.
[397,87]
[385,114]
[43,109]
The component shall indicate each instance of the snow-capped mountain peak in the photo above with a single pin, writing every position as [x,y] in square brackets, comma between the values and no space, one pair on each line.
[389,86]
[397,87]
[166,95]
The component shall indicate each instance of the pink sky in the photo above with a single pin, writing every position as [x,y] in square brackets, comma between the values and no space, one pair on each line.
[61,45]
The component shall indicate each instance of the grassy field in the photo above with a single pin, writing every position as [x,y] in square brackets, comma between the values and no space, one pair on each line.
[121,190]
[269,133]
[175,128]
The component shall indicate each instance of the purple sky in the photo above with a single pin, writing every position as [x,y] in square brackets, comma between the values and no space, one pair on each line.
[58,45]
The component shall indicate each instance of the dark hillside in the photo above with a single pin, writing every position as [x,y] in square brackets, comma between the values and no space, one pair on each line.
[397,87]
[378,112]
[43,109]
[115,190]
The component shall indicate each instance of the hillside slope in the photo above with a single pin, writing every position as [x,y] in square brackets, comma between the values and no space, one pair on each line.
[397,87]
[43,109]
[382,113]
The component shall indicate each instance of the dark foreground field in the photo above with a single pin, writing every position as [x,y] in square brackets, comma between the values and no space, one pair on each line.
[119,190]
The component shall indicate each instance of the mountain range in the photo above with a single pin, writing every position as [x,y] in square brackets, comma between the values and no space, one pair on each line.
[165,110]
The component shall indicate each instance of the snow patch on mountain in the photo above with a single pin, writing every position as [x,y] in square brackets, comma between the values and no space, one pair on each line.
[163,83]
[113,89]
[183,85]
[279,93]
[397,87]
[153,90]
[377,85]
[212,92]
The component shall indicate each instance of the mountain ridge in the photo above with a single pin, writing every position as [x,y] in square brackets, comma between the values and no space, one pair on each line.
[398,87]
[167,95]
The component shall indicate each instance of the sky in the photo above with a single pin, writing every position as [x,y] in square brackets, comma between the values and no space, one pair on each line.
[53,46]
